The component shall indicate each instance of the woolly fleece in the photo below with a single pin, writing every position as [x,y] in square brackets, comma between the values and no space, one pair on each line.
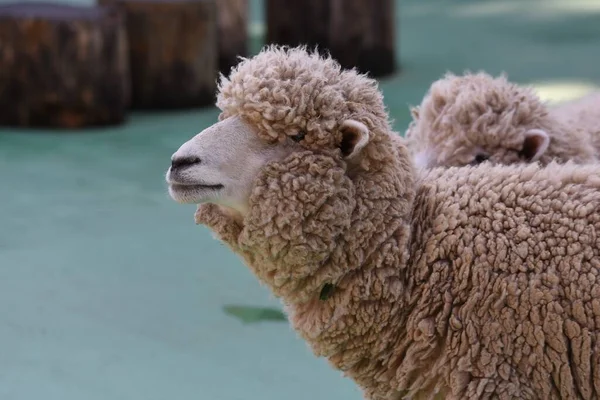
[584,111]
[475,113]
[471,283]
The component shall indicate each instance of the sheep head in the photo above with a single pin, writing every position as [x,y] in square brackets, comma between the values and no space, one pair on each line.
[221,164]
[278,177]
[465,120]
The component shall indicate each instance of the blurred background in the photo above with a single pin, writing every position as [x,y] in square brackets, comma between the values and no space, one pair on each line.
[108,290]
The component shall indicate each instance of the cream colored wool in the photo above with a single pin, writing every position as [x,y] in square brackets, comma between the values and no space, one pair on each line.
[583,111]
[472,283]
[476,117]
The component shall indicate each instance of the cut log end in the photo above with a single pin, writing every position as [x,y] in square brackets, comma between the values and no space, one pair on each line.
[63,66]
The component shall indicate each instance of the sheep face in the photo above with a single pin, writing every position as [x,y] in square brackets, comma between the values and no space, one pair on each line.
[280,102]
[457,153]
[220,164]
[466,120]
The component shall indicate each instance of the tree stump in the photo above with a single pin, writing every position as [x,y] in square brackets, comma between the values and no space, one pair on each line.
[172,52]
[357,33]
[62,66]
[232,32]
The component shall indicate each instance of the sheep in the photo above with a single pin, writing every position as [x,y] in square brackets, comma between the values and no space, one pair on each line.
[480,282]
[584,111]
[475,117]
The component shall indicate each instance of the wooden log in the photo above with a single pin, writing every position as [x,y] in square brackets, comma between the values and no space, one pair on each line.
[362,33]
[173,52]
[62,66]
[357,33]
[298,22]
[232,32]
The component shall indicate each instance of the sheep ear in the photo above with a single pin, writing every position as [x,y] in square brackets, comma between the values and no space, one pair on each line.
[535,144]
[355,136]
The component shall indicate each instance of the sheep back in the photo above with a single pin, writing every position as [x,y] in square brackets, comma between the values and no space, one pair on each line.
[506,281]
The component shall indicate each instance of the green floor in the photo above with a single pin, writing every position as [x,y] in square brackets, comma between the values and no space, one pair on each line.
[109,291]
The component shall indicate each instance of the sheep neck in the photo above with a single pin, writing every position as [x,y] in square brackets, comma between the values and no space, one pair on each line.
[358,323]
[362,326]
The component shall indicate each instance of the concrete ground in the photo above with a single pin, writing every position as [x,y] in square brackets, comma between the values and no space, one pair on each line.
[109,291]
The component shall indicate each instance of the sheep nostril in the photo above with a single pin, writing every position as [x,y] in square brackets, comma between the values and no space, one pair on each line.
[184,162]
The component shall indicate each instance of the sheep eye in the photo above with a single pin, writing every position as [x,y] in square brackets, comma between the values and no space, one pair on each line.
[299,136]
[479,158]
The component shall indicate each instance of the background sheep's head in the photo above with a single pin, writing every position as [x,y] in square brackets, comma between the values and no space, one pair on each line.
[280,102]
[465,120]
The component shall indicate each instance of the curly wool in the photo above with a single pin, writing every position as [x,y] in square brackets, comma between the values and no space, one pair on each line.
[514,255]
[472,283]
[584,112]
[283,92]
[476,110]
